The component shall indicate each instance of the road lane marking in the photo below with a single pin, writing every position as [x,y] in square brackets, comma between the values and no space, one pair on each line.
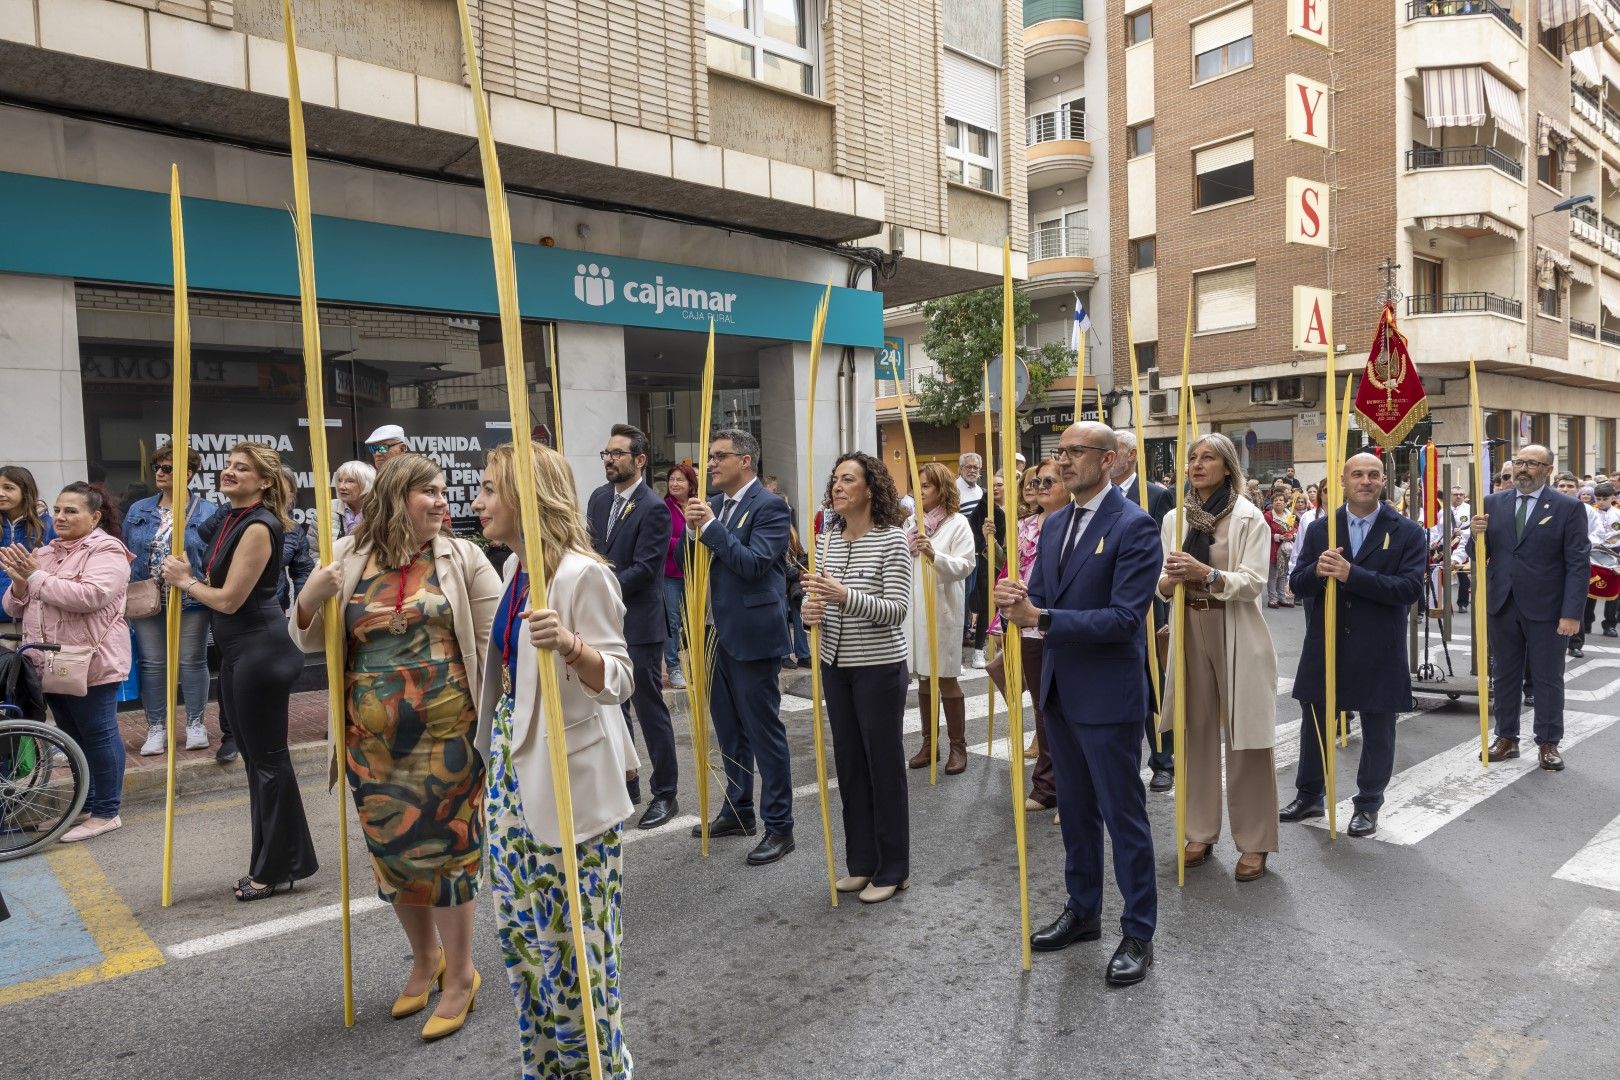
[1584,951]
[1434,793]
[1598,863]
[244,935]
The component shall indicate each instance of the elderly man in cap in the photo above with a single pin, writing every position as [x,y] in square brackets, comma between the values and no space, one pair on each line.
[386,442]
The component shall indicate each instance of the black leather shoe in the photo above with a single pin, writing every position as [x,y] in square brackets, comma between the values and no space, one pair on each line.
[659,811]
[227,752]
[1067,929]
[632,786]
[1609,631]
[1364,823]
[1576,651]
[726,825]
[1131,962]
[1299,810]
[773,847]
[1163,780]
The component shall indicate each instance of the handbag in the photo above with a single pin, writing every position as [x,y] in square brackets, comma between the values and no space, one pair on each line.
[143,600]
[67,670]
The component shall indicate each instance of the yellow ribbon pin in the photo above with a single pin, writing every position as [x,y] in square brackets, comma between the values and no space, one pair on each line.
[742,520]
[1386,541]
[1544,520]
[1100,546]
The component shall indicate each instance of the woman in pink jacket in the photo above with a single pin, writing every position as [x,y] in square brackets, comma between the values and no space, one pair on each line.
[71,591]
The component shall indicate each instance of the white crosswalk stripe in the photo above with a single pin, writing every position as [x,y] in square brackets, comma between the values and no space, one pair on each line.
[1598,863]
[1432,794]
[1586,950]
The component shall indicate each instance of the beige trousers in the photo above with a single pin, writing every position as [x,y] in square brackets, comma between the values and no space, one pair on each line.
[1251,775]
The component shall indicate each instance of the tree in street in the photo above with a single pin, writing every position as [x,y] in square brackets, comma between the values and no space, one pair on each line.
[964,334]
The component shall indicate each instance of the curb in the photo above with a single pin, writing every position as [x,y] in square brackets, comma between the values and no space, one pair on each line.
[205,776]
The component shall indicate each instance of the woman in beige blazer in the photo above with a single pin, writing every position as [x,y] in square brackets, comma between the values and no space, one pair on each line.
[581,634]
[1221,556]
[417,607]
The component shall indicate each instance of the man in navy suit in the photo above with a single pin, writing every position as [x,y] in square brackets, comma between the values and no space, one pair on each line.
[746,530]
[1163,760]
[1379,566]
[1089,590]
[1536,549]
[630,527]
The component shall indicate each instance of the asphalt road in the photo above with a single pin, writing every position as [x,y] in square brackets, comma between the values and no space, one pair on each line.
[1476,937]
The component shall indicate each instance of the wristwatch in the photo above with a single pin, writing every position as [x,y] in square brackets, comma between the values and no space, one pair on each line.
[1211,578]
[1044,623]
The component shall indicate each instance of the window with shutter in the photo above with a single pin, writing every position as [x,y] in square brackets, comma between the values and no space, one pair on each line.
[1223,43]
[1225,172]
[1224,299]
[972,120]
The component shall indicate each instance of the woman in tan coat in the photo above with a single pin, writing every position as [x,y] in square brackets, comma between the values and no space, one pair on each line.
[946,545]
[417,607]
[1221,556]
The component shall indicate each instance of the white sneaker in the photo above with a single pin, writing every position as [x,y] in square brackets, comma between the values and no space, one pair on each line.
[196,736]
[978,660]
[154,744]
[677,679]
[92,827]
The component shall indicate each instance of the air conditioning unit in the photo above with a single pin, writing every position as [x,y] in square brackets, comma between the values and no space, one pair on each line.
[1291,391]
[1260,393]
[1164,405]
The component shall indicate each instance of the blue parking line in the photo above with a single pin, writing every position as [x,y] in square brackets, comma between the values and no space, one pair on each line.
[45,935]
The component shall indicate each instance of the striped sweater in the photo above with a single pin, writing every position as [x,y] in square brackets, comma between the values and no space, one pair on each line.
[869,627]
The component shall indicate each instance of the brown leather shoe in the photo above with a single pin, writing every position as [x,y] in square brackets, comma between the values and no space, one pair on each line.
[1502,749]
[1251,867]
[1551,759]
[956,731]
[1197,854]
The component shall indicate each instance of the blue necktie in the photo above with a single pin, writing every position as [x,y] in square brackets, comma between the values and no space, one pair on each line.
[1357,526]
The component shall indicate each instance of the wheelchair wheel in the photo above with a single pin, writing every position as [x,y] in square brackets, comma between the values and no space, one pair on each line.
[39,795]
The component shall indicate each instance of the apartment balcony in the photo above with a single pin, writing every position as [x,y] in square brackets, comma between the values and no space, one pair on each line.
[1611,238]
[1462,182]
[1056,150]
[1585,228]
[1582,329]
[1060,261]
[1585,105]
[1456,157]
[1466,33]
[1447,328]
[1055,36]
[1610,337]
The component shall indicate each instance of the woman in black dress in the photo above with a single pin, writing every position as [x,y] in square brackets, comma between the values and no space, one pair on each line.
[241,570]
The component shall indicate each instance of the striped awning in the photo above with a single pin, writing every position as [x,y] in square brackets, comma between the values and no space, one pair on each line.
[1586,67]
[1581,23]
[1504,104]
[1550,131]
[1549,264]
[1454,97]
[1582,273]
[1470,222]
[1609,294]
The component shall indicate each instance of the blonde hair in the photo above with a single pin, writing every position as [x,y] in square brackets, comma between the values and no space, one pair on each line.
[562,527]
[1025,509]
[1227,451]
[942,479]
[384,526]
[277,497]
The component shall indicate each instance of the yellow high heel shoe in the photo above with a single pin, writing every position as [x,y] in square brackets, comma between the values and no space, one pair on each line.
[438,1026]
[411,1004]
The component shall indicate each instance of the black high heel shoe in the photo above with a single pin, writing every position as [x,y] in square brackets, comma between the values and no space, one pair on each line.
[246,893]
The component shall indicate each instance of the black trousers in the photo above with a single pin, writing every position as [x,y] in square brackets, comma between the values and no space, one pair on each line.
[656,730]
[866,709]
[1464,587]
[1377,755]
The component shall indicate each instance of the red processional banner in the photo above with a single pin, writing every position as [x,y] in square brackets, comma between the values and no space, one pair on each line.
[1390,401]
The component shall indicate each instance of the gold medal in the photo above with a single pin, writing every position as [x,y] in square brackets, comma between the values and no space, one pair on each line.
[506,680]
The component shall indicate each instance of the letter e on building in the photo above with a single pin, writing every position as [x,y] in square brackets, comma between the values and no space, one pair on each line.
[1307,111]
[1313,319]
[1307,212]
[1308,19]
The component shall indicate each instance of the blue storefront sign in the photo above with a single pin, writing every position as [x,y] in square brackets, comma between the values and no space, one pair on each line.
[891,359]
[62,228]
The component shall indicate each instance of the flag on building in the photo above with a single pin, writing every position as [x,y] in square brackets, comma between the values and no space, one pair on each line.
[1082,324]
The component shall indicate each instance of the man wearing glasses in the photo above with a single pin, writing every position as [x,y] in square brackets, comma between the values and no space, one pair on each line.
[746,529]
[386,442]
[1537,548]
[1089,590]
[630,527]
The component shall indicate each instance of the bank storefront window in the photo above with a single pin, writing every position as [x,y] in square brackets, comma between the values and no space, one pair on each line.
[1265,447]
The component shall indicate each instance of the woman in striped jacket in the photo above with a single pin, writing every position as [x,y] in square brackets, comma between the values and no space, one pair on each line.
[860,596]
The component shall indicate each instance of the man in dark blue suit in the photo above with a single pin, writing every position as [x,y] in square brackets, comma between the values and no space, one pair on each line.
[1089,590]
[1379,566]
[1536,549]
[746,529]
[1162,760]
[630,527]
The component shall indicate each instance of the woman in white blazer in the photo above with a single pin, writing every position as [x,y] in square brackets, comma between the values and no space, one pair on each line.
[1221,557]
[947,545]
[581,634]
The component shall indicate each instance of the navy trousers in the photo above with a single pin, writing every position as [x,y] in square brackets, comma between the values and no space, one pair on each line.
[746,708]
[1516,642]
[1377,755]
[1098,772]
[656,729]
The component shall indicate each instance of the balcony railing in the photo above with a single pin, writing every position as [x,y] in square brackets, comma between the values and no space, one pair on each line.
[1610,337]
[1585,104]
[1611,124]
[1063,242]
[1583,223]
[1449,157]
[1611,237]
[1583,329]
[1463,303]
[1058,124]
[1040,10]
[1429,9]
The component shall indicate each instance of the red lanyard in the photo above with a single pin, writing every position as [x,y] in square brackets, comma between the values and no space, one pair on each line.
[514,611]
[399,601]
[232,517]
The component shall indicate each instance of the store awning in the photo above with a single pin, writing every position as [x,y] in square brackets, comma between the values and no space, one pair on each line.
[1504,104]
[1609,294]
[1454,97]
[1586,67]
[1580,23]
[1582,273]
[1470,222]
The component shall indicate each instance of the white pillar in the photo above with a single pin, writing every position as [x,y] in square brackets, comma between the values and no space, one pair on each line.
[42,408]
[591,378]
[784,391]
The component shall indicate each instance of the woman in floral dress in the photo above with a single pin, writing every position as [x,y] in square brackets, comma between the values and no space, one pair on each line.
[417,607]
[581,634]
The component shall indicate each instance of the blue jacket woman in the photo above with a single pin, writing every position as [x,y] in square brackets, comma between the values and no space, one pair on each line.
[20,521]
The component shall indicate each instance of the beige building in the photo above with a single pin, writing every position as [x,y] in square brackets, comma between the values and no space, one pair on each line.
[668,164]
[1423,148]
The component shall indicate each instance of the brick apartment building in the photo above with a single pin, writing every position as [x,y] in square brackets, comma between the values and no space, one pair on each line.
[1447,134]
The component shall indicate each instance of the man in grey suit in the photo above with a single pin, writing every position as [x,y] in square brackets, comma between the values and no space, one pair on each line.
[1536,549]
[1160,502]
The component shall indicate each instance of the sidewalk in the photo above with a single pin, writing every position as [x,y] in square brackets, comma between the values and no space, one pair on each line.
[196,771]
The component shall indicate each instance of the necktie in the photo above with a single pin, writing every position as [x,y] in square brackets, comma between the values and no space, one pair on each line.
[1357,529]
[1077,525]
[1523,515]
[726,511]
[613,518]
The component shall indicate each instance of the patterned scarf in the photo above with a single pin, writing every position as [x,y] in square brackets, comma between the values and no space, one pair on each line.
[1201,522]
[932,520]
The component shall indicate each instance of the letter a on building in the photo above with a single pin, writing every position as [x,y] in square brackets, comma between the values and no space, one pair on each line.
[1313,318]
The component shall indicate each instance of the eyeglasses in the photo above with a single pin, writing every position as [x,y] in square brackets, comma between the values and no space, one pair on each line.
[721,455]
[1074,452]
[163,467]
[1530,463]
[1044,483]
[610,455]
